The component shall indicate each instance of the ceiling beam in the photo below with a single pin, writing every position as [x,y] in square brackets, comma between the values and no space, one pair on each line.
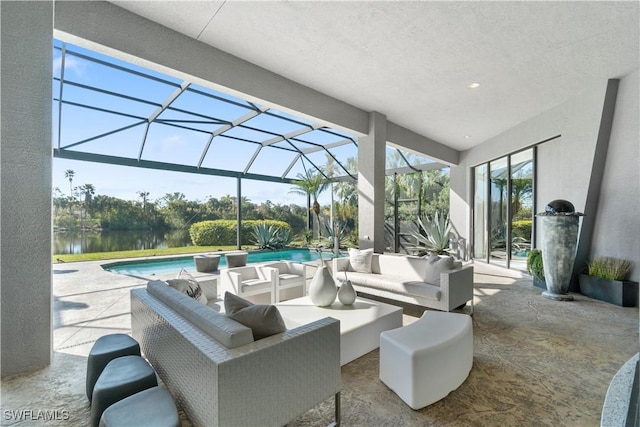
[148,164]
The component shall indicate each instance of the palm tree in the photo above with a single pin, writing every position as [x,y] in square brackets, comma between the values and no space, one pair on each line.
[311,185]
[69,174]
[88,190]
[144,195]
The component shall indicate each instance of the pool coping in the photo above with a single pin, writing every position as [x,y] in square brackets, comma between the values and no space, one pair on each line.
[150,259]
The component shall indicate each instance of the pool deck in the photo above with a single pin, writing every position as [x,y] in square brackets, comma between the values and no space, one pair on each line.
[89,302]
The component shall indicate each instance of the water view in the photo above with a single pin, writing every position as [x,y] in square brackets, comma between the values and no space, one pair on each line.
[78,242]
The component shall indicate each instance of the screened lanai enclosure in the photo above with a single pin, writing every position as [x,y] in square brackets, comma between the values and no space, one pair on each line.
[106,110]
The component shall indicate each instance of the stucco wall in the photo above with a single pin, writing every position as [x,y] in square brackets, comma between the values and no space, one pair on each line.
[565,164]
[25,232]
[617,228]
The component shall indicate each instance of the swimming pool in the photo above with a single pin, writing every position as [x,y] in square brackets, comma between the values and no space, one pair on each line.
[174,265]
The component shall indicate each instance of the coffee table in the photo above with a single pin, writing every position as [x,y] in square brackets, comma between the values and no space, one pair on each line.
[360,324]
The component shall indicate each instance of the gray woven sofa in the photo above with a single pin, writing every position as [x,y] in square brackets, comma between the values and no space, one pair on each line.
[220,376]
[443,284]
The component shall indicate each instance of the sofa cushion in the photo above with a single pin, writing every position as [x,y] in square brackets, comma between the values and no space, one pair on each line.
[264,320]
[436,265]
[360,260]
[407,267]
[396,284]
[226,331]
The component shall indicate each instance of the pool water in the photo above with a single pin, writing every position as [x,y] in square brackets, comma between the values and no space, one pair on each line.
[174,265]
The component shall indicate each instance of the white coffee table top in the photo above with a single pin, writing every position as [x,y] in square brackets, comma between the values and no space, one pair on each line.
[301,311]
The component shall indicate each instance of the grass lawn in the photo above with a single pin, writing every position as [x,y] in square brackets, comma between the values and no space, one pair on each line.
[97,256]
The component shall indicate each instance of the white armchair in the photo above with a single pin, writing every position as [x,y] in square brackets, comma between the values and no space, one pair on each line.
[249,281]
[290,275]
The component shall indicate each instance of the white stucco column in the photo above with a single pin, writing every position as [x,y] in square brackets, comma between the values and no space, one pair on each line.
[25,230]
[371,169]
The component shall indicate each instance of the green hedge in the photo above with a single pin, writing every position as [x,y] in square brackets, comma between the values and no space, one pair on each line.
[521,228]
[223,231]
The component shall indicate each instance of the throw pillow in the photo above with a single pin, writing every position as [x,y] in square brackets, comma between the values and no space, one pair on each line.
[360,260]
[186,284]
[264,320]
[436,265]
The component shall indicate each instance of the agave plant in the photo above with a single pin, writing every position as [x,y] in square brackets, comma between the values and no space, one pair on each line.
[271,236]
[282,237]
[341,229]
[433,233]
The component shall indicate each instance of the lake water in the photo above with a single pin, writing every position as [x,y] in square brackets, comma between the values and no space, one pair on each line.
[77,242]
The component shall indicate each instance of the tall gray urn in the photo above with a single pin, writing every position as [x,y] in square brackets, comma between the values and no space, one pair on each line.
[559,241]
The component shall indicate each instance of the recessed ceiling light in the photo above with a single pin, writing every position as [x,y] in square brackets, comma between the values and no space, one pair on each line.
[467,136]
[474,85]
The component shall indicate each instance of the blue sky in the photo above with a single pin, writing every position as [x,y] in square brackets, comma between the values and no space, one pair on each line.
[92,79]
[166,143]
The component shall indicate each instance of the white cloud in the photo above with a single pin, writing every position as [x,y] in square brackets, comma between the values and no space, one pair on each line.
[71,67]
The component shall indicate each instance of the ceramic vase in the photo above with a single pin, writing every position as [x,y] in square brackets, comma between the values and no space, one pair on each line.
[346,294]
[322,289]
[559,241]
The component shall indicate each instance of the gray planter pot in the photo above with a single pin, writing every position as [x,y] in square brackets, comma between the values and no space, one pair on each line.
[559,240]
[539,283]
[621,293]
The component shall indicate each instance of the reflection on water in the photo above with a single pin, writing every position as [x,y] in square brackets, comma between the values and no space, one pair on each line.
[77,242]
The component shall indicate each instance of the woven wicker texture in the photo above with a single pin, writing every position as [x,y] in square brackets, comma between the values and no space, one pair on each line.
[267,382]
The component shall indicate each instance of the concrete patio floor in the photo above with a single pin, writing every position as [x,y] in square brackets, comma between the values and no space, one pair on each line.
[536,361]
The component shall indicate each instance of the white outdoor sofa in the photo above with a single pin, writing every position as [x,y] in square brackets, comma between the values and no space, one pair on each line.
[411,279]
[219,375]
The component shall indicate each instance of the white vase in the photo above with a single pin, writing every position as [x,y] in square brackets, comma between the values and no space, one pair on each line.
[322,289]
[346,294]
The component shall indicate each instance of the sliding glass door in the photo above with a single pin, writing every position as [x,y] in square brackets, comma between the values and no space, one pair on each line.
[503,209]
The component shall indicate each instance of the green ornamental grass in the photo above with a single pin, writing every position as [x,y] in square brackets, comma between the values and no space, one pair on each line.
[610,268]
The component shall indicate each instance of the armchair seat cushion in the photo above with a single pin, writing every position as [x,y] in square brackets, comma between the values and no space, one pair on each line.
[288,278]
[255,284]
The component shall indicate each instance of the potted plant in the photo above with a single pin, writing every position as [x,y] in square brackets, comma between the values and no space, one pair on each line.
[606,281]
[535,268]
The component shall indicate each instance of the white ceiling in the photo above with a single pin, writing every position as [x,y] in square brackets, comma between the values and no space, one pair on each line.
[413,61]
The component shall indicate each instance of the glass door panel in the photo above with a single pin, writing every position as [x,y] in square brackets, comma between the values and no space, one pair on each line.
[499,197]
[480,212]
[521,207]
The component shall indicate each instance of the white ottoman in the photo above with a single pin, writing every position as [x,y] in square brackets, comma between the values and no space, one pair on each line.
[426,360]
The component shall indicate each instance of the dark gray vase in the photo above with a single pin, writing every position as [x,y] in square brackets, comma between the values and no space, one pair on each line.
[559,240]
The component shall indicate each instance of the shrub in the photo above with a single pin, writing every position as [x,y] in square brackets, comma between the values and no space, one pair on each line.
[534,264]
[223,231]
[610,268]
[521,228]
